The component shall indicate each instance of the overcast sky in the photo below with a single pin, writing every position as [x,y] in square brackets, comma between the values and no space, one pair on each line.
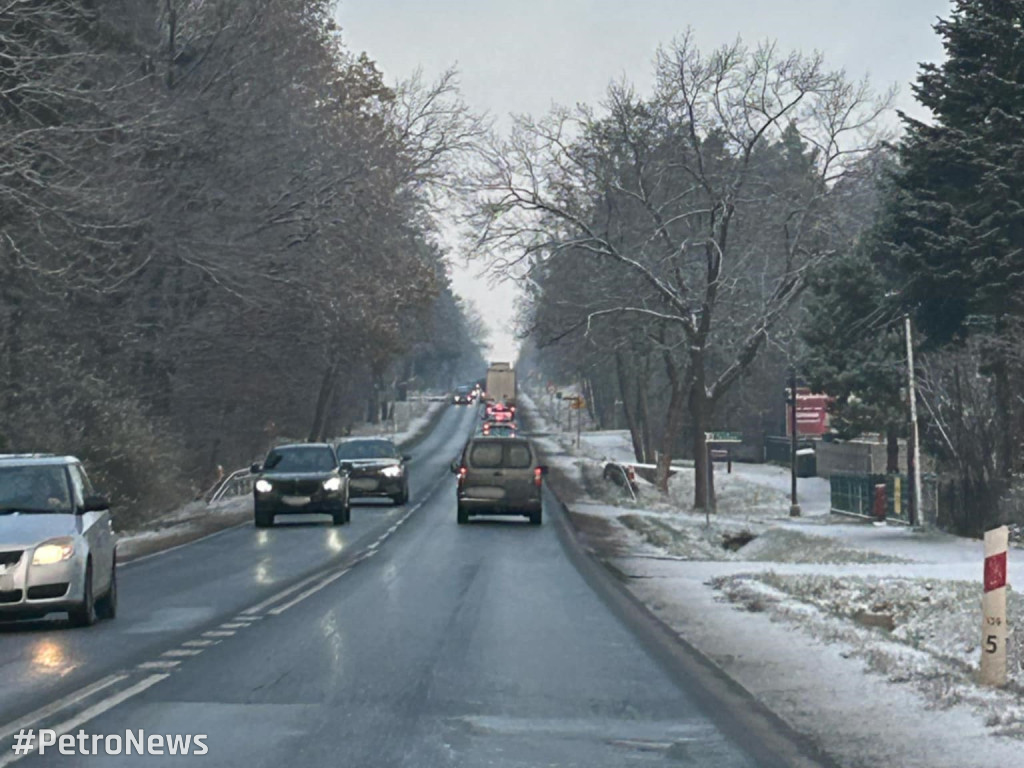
[525,55]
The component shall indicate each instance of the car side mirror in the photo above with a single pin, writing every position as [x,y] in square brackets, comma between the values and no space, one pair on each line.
[455,467]
[406,457]
[254,469]
[95,503]
[346,466]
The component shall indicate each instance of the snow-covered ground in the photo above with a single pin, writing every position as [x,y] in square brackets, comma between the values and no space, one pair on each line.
[197,518]
[864,637]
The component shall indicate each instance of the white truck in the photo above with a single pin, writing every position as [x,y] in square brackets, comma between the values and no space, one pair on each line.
[501,383]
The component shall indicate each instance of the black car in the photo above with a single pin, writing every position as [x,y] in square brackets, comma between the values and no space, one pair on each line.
[463,396]
[301,479]
[375,468]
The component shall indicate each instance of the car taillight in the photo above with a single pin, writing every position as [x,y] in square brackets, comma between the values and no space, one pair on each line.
[462,472]
[538,476]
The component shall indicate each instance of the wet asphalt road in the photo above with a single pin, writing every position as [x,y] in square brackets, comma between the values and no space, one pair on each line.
[478,645]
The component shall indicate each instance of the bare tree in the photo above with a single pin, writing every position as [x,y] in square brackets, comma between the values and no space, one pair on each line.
[714,194]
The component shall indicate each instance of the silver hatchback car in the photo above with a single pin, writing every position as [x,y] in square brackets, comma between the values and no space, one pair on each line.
[57,546]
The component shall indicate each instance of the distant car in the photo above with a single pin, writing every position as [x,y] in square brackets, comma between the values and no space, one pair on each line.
[57,546]
[375,468]
[463,396]
[499,476]
[301,479]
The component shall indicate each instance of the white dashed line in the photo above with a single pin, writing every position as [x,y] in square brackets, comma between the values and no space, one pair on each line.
[178,652]
[219,633]
[198,643]
[235,625]
[312,590]
[159,664]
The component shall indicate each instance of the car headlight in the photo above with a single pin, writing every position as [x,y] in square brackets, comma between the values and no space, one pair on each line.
[53,552]
[262,486]
[332,484]
[392,471]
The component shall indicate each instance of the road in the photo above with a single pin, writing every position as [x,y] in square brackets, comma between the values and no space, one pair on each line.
[400,640]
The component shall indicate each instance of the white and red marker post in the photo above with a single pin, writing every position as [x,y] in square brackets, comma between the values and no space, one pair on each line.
[993,608]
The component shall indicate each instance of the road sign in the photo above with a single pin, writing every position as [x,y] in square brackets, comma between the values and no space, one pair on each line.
[723,437]
[993,608]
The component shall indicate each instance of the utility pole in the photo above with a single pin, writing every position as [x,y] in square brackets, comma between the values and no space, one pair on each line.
[794,504]
[915,506]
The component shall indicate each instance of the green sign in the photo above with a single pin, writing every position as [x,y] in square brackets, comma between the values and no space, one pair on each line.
[723,437]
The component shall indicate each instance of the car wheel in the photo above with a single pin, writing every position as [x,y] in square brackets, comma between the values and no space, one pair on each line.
[106,606]
[84,615]
[536,518]
[463,516]
[264,520]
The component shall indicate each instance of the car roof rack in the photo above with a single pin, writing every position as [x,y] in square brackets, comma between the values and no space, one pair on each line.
[28,455]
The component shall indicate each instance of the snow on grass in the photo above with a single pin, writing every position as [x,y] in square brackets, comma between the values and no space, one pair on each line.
[914,631]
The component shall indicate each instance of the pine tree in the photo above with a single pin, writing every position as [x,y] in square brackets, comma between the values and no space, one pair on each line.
[956,226]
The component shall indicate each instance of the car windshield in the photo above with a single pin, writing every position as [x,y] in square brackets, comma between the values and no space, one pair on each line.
[39,489]
[300,459]
[367,449]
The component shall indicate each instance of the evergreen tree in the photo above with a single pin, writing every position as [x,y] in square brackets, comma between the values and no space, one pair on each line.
[956,226]
[954,233]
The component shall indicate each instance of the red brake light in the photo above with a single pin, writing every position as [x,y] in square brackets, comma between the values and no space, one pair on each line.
[538,475]
[462,472]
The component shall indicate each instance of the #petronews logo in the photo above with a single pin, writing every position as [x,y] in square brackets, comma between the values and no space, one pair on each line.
[133,742]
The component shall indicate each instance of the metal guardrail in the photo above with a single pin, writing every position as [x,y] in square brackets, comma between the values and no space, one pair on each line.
[238,483]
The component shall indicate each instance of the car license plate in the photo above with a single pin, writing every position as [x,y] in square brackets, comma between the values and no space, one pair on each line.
[364,485]
[296,501]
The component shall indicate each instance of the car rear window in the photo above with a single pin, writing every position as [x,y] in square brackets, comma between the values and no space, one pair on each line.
[494,454]
[518,456]
[485,455]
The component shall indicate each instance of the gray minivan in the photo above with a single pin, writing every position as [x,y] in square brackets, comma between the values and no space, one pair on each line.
[499,476]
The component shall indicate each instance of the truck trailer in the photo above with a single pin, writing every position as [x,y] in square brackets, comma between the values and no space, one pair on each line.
[501,383]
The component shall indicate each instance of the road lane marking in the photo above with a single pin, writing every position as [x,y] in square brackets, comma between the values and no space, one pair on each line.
[182,652]
[159,664]
[72,698]
[219,633]
[282,594]
[235,625]
[198,643]
[311,591]
[95,710]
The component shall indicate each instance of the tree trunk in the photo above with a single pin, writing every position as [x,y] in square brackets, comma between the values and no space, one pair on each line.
[892,450]
[700,414]
[323,399]
[643,411]
[673,423]
[631,420]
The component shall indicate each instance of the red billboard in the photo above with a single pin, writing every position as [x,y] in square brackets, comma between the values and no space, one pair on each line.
[811,413]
